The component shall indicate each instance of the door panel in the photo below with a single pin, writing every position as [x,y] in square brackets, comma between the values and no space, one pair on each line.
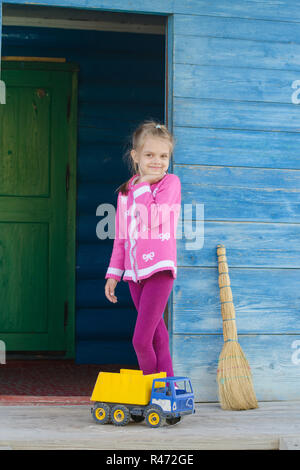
[24,272]
[25,131]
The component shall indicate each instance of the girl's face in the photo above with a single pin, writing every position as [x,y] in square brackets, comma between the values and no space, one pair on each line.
[153,158]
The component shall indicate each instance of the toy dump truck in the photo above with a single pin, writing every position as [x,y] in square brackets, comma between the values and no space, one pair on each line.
[129,394]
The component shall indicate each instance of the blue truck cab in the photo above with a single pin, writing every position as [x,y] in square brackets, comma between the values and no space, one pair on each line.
[174,402]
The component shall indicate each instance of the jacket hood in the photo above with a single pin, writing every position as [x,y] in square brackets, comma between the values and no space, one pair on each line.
[132,179]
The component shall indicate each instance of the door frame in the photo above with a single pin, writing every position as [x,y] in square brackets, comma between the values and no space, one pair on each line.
[169,108]
[169,53]
[32,63]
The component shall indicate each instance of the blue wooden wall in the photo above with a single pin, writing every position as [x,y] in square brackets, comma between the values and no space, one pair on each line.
[238,154]
[236,119]
[121,82]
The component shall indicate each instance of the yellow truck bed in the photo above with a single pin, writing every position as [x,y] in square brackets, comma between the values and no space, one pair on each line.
[128,386]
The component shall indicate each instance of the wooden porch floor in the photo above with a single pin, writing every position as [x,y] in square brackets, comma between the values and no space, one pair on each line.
[273,425]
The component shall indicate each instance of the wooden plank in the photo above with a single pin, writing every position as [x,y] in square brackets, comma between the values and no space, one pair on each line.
[249,245]
[140,6]
[285,10]
[226,52]
[84,25]
[71,215]
[2,83]
[266,301]
[92,194]
[87,233]
[1,20]
[235,147]
[90,294]
[29,342]
[121,65]
[236,115]
[104,115]
[234,83]
[289,443]
[274,361]
[89,326]
[262,197]
[53,427]
[45,76]
[238,28]
[33,59]
[73,18]
[92,257]
[110,351]
[114,89]
[169,72]
[117,43]
[236,204]
[242,178]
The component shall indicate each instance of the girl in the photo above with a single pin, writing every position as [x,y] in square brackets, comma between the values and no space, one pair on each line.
[145,245]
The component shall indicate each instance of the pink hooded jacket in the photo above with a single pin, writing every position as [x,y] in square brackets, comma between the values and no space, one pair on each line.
[145,229]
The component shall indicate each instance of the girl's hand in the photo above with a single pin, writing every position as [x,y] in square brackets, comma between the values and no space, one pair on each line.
[150,178]
[110,290]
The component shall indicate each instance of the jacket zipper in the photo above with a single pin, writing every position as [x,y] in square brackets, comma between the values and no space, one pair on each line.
[136,270]
[133,260]
[135,266]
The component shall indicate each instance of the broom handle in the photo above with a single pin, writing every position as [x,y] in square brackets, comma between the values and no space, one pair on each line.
[227,306]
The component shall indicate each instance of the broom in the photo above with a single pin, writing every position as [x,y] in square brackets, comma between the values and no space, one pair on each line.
[234,377]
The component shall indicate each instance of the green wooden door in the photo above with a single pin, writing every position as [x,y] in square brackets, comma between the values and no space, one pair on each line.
[33,208]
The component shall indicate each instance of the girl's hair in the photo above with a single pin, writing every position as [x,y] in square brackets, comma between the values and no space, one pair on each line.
[145,129]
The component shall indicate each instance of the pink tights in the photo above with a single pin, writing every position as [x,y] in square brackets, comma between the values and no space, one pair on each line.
[151,337]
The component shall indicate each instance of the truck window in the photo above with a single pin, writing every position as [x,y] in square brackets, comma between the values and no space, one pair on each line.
[188,387]
[183,386]
[160,388]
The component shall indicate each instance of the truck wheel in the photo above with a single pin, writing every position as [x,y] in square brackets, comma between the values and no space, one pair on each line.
[120,415]
[173,420]
[101,413]
[154,417]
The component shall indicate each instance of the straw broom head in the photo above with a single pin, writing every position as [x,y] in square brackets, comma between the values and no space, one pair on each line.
[235,386]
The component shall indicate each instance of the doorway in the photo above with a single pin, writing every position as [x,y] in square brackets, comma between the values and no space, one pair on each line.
[121,81]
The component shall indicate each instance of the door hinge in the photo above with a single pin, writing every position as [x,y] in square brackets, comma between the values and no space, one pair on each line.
[67,178]
[66,313]
[68,108]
